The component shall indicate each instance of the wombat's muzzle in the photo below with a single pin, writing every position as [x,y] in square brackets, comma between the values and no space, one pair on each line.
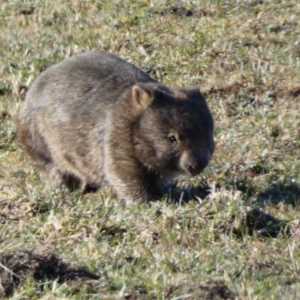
[194,165]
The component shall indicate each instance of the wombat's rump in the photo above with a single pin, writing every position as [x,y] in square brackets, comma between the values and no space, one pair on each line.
[97,120]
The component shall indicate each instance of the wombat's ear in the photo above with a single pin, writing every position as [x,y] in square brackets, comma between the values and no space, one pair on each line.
[141,99]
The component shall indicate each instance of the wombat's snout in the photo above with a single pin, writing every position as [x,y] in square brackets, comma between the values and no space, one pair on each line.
[194,164]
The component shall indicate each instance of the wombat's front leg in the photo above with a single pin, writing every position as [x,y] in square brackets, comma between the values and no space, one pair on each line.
[140,191]
[135,186]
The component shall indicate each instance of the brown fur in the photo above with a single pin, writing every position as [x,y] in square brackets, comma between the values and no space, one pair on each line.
[97,120]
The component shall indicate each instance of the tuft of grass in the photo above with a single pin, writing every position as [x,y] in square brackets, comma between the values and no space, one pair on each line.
[235,234]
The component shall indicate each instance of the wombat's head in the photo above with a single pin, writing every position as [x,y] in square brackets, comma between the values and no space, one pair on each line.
[174,129]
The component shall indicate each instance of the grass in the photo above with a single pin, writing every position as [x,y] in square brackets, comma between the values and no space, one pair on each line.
[240,239]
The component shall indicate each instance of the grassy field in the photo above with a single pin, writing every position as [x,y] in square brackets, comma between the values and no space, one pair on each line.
[240,237]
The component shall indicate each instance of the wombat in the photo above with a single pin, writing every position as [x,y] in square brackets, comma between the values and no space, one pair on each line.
[96,120]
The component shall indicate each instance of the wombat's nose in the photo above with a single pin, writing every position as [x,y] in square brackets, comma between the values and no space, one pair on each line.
[197,165]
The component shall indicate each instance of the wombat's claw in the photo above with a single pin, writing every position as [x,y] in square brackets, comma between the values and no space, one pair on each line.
[84,186]
[87,188]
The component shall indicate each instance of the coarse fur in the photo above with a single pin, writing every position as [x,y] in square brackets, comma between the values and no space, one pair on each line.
[96,120]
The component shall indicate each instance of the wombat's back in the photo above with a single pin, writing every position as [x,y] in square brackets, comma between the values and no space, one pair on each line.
[80,77]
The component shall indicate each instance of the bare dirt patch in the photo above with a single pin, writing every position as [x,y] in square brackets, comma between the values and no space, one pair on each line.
[211,290]
[16,267]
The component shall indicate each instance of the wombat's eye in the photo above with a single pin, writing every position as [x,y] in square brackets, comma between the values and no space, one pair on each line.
[172,139]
